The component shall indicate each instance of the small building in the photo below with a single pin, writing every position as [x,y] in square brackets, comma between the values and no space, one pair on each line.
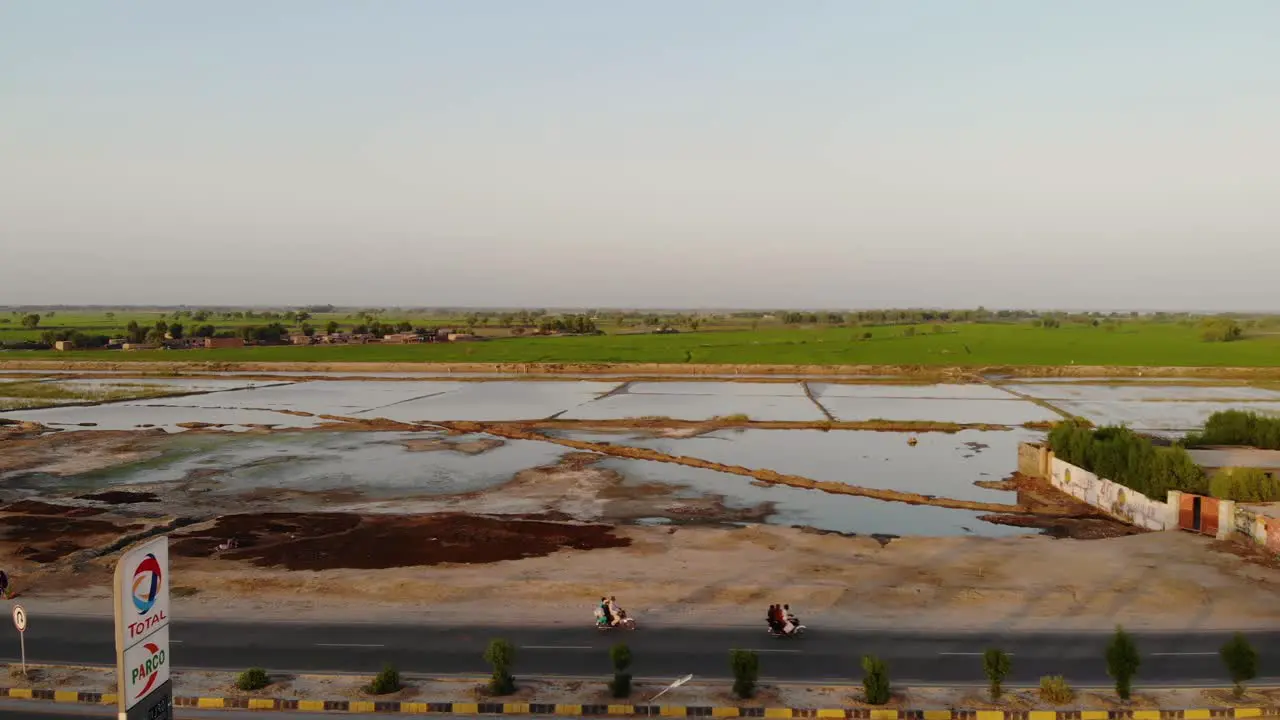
[138,346]
[301,339]
[64,345]
[401,338]
[462,337]
[215,343]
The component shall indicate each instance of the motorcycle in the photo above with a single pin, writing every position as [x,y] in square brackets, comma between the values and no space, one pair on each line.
[624,621]
[796,629]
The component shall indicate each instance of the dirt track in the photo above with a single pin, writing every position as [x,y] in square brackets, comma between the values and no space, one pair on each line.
[656,369]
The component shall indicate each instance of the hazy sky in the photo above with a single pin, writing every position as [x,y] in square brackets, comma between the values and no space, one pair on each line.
[842,153]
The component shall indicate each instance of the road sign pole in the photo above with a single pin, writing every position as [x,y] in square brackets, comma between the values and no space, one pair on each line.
[20,622]
[22,640]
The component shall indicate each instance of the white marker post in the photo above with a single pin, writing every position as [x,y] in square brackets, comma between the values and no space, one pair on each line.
[20,622]
[142,632]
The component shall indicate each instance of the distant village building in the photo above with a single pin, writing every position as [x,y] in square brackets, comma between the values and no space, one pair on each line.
[138,346]
[300,339]
[401,338]
[64,345]
[222,342]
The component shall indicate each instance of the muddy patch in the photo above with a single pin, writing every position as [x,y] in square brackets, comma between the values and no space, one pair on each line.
[44,533]
[121,497]
[323,541]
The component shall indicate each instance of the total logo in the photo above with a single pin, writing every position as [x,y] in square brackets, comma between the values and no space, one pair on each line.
[148,669]
[146,583]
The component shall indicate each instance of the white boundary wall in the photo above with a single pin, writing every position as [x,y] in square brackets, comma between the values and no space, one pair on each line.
[1112,498]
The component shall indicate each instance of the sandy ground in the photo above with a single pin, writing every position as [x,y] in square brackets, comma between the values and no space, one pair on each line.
[588,692]
[718,576]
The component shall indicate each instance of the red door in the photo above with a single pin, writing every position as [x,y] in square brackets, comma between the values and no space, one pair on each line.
[1209,516]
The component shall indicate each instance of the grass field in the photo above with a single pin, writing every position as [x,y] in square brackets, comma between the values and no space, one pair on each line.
[1135,343]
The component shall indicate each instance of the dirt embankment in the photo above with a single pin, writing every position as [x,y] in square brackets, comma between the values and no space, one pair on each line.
[659,369]
[324,541]
[43,533]
[516,432]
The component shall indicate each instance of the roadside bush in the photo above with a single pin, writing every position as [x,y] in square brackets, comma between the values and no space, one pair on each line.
[1123,456]
[1123,662]
[996,664]
[501,655]
[1237,427]
[1054,689]
[252,679]
[1241,661]
[385,682]
[1245,485]
[875,680]
[620,656]
[746,671]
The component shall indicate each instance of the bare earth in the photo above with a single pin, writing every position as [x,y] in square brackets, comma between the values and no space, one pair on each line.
[717,576]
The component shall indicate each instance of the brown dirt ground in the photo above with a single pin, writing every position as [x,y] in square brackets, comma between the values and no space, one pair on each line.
[42,533]
[326,541]
[120,497]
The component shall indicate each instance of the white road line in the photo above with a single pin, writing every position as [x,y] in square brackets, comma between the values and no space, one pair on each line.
[356,645]
[777,650]
[175,642]
[969,654]
[555,647]
[1182,653]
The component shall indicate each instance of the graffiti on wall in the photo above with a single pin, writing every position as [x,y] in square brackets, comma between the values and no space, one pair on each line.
[1112,498]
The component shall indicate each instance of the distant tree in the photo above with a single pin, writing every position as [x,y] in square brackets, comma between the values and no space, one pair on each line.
[111,316]
[134,332]
[175,331]
[404,326]
[303,316]
[205,331]
[154,336]
[162,327]
[308,330]
[200,315]
[1220,330]
[331,327]
[31,321]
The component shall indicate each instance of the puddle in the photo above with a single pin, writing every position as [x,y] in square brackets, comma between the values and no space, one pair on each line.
[1130,393]
[133,415]
[373,464]
[937,392]
[793,506]
[172,384]
[322,397]
[491,401]
[703,401]
[1165,416]
[940,464]
[995,412]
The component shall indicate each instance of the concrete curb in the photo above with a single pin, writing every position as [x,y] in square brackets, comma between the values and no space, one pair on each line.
[666,711]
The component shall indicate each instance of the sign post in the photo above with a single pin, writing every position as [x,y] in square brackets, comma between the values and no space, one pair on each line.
[20,622]
[145,691]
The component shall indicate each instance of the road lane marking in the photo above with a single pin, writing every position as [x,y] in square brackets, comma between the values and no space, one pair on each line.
[776,650]
[1169,654]
[969,654]
[555,647]
[356,645]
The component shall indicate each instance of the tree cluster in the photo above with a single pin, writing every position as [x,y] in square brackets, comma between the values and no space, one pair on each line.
[1123,456]
[1238,427]
[1245,485]
[575,324]
[1220,330]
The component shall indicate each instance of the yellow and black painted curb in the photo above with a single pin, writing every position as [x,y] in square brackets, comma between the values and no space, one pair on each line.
[664,711]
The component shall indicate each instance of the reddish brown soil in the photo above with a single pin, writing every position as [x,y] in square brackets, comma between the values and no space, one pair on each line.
[1081,528]
[35,507]
[45,539]
[322,541]
[121,497]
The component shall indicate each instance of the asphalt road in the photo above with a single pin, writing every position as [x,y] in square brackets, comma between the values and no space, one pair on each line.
[918,658]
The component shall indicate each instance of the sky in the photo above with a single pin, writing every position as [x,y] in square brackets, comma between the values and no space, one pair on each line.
[1096,154]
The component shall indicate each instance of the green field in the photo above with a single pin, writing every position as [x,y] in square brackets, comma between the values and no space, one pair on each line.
[962,344]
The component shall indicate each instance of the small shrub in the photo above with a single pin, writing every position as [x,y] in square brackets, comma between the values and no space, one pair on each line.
[620,655]
[1241,661]
[385,682]
[1054,689]
[875,680]
[1245,485]
[746,670]
[1123,662]
[252,679]
[996,664]
[501,655]
[909,332]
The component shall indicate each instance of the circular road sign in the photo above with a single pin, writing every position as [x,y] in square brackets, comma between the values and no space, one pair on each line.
[19,618]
